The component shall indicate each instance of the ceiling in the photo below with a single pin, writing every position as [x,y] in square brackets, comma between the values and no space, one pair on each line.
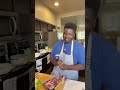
[65,6]
[68,6]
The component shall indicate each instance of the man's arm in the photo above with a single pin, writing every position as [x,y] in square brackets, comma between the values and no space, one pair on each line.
[72,67]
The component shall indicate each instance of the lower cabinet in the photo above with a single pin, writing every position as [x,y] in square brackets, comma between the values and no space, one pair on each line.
[23,83]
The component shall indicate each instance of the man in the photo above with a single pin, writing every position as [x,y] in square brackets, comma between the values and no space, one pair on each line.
[101,56]
[68,55]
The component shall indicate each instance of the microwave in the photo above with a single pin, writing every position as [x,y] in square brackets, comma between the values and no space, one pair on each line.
[8,23]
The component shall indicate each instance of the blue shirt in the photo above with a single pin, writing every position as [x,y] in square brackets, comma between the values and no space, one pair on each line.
[78,51]
[105,64]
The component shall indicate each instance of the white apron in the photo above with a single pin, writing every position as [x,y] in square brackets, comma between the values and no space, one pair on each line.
[88,81]
[68,60]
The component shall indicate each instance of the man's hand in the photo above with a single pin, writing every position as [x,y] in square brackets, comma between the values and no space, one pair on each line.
[59,62]
[63,66]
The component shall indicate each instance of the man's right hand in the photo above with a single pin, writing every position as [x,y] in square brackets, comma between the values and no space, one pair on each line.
[59,62]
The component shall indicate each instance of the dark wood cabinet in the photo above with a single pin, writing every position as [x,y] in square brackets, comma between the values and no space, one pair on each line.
[43,26]
[32,6]
[53,27]
[45,36]
[25,23]
[44,30]
[6,5]
[37,25]
[25,17]
[24,11]
[50,27]
[22,6]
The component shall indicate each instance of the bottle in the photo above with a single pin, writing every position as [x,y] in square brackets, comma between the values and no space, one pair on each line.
[57,57]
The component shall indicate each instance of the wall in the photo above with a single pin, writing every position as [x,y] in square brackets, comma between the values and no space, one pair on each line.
[45,14]
[58,21]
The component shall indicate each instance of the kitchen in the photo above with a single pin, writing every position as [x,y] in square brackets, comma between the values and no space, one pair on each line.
[49,25]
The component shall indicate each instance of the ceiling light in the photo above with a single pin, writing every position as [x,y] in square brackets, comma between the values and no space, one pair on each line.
[56,4]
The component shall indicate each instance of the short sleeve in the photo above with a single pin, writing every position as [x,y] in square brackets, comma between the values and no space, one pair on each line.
[56,49]
[81,54]
[53,51]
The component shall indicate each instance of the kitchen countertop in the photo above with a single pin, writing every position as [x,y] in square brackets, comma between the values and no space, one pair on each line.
[45,77]
[39,55]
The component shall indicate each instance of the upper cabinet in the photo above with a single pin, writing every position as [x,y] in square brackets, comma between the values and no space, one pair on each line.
[24,13]
[25,23]
[37,25]
[19,6]
[50,27]
[32,6]
[22,6]
[43,26]
[6,5]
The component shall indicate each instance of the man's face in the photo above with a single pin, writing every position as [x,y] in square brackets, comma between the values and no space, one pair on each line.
[68,35]
[89,20]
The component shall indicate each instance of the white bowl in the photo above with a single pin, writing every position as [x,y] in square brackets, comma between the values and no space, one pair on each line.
[18,60]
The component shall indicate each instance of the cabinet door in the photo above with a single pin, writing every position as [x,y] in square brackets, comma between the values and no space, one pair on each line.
[23,82]
[37,25]
[49,27]
[53,27]
[6,5]
[22,6]
[32,6]
[44,30]
[25,23]
[43,26]
[45,36]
